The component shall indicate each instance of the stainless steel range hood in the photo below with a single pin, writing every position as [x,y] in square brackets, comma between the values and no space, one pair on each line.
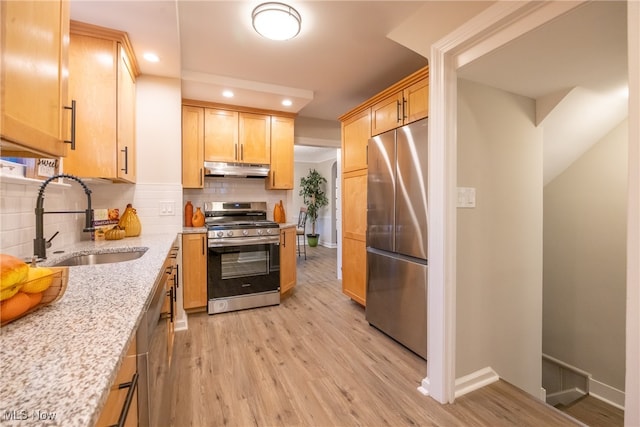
[243,170]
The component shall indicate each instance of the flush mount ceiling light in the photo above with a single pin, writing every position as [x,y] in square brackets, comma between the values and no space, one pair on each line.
[276,21]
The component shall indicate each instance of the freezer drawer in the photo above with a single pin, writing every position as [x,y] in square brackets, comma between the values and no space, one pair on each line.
[397,299]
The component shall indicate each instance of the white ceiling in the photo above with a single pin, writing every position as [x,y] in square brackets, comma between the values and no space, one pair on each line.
[574,66]
[341,57]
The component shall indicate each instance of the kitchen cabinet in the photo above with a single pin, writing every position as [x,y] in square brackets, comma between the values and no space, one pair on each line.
[170,279]
[231,136]
[356,131]
[401,108]
[102,72]
[194,271]
[122,400]
[288,272]
[34,93]
[281,172]
[221,135]
[354,233]
[192,147]
[404,102]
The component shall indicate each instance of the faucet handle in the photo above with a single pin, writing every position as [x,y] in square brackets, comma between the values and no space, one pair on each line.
[48,243]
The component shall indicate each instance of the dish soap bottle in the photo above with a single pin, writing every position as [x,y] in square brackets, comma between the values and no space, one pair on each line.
[198,218]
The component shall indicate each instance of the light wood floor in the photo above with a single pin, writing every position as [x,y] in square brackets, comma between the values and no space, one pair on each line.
[315,361]
[594,412]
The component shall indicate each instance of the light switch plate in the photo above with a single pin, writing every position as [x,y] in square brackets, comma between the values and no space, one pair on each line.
[466,197]
[167,208]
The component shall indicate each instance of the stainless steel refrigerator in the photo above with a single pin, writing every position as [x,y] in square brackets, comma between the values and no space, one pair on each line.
[397,235]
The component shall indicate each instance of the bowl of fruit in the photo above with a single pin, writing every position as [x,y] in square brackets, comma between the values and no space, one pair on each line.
[25,288]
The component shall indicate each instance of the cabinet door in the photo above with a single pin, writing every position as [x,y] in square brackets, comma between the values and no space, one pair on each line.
[92,84]
[281,172]
[34,75]
[416,101]
[354,229]
[387,114]
[356,132]
[126,144]
[255,138]
[221,136]
[192,147]
[287,259]
[116,399]
[194,271]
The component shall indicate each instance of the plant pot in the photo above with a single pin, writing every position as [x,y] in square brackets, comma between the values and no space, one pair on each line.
[312,239]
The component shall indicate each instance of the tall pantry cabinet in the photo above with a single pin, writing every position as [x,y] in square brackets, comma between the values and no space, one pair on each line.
[402,103]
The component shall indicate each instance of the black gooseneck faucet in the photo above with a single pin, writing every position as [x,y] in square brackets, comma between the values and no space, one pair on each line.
[39,243]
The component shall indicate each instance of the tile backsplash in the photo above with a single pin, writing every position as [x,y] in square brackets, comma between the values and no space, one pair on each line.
[18,202]
[240,190]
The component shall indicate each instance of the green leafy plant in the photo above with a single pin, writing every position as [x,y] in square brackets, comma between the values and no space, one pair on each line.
[314,197]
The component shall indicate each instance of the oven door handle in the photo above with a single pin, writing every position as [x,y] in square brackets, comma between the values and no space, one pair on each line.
[243,241]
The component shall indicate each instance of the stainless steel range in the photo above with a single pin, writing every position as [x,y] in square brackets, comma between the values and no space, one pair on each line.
[243,260]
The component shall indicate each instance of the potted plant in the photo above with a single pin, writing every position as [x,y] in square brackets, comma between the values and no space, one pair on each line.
[311,189]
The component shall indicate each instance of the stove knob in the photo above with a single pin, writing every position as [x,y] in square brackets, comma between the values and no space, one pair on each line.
[269,231]
[219,233]
[259,232]
[245,232]
[230,233]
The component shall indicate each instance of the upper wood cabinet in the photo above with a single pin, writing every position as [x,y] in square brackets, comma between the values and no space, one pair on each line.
[33,82]
[214,132]
[231,136]
[356,131]
[254,133]
[192,147]
[102,73]
[401,108]
[221,135]
[281,172]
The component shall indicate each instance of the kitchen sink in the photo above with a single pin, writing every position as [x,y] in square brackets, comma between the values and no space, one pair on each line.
[101,258]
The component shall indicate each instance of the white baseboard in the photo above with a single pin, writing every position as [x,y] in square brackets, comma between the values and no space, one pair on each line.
[606,393]
[475,380]
[424,387]
[565,397]
[181,324]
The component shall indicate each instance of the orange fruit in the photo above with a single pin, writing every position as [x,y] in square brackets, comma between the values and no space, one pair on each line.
[35,299]
[14,306]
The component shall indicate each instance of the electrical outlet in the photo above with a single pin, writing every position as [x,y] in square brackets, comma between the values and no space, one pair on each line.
[466,197]
[167,208]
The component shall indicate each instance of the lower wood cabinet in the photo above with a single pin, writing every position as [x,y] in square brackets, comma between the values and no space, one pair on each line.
[194,271]
[354,234]
[123,397]
[288,276]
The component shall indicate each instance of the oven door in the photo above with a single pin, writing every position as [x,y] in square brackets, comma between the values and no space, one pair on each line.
[243,269]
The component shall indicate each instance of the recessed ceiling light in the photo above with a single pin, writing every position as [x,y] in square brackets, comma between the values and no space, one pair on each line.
[227,94]
[151,57]
[287,103]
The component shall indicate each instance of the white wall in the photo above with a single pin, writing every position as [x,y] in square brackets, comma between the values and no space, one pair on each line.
[499,242]
[323,225]
[585,235]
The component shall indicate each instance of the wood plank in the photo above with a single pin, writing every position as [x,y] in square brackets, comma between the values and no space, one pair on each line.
[315,361]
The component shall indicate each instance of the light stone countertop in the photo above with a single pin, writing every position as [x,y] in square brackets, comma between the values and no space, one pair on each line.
[59,361]
[288,225]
